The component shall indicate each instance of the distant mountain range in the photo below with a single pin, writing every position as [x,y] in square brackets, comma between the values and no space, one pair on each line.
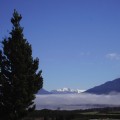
[110,87]
[60,91]
[43,91]
[66,91]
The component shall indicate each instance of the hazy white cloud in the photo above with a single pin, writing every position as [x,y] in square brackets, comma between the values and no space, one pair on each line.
[113,56]
[75,101]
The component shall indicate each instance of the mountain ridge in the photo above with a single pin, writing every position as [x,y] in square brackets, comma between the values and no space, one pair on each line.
[109,87]
[42,91]
[60,91]
[67,91]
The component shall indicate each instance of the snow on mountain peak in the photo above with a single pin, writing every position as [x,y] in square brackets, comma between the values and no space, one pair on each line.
[64,89]
[67,90]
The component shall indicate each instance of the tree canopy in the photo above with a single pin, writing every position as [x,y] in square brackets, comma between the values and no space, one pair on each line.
[19,76]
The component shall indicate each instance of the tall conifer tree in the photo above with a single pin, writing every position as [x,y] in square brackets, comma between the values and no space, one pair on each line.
[19,76]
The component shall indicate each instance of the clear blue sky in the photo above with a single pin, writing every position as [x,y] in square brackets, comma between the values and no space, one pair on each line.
[77,41]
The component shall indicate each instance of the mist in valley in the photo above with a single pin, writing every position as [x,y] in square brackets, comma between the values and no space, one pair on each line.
[76,101]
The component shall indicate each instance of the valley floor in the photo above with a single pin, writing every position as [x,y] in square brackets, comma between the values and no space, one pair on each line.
[91,114]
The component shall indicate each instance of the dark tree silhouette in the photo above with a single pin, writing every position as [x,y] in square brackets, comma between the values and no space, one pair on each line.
[19,76]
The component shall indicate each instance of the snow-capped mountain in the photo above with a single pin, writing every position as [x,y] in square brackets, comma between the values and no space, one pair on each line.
[66,91]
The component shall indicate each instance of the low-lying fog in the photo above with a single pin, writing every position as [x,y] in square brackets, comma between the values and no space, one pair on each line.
[76,101]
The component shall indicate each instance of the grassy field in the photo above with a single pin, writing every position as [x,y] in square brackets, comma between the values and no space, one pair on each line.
[91,114]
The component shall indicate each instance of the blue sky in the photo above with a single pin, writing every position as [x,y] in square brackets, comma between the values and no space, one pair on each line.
[77,41]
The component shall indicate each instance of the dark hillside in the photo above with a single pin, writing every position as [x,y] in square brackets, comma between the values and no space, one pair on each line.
[106,88]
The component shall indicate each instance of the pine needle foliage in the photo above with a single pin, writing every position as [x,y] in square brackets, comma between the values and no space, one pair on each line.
[19,76]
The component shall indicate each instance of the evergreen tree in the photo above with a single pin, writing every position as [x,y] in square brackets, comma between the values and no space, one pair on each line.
[19,76]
